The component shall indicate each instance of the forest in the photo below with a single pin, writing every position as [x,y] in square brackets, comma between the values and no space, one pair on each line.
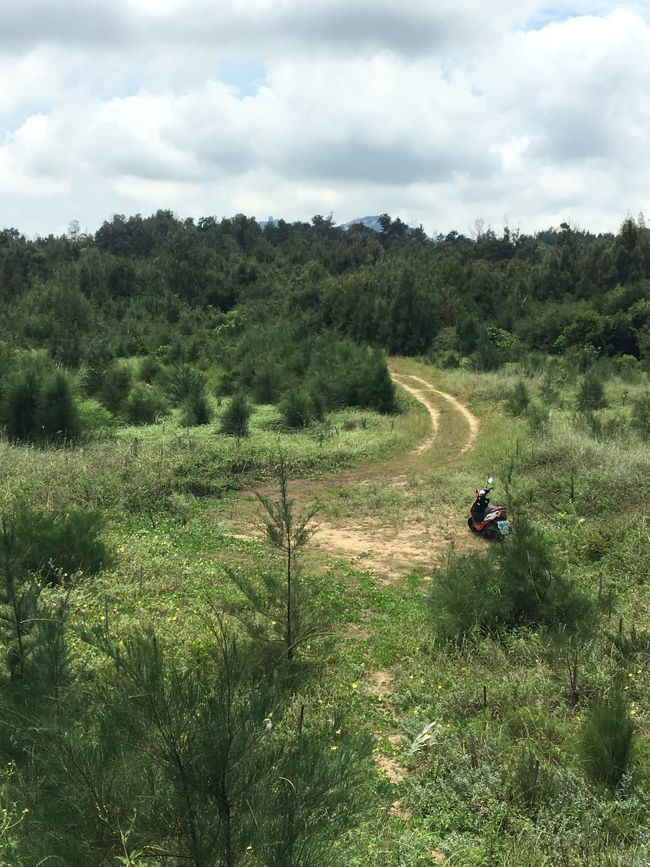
[242,618]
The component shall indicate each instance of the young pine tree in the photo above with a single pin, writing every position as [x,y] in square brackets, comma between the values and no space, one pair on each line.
[234,421]
[591,394]
[280,605]
[57,417]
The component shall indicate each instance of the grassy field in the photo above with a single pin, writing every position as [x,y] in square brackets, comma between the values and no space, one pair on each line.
[476,744]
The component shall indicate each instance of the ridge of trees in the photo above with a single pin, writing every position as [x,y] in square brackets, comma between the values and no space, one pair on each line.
[268,304]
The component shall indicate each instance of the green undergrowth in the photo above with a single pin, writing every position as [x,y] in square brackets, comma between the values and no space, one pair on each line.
[483,737]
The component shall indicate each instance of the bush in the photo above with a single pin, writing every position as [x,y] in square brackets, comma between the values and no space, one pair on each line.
[57,418]
[514,584]
[196,410]
[519,399]
[144,404]
[297,408]
[55,545]
[267,382]
[538,416]
[465,597]
[95,419]
[234,421]
[606,740]
[150,369]
[628,368]
[185,382]
[531,784]
[20,403]
[641,415]
[39,406]
[115,387]
[591,394]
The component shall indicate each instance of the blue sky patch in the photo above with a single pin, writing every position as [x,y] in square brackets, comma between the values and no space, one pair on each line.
[247,76]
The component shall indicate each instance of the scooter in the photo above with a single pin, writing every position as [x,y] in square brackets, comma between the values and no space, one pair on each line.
[488,521]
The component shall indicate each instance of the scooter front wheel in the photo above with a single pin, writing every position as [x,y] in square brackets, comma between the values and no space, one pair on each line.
[470,524]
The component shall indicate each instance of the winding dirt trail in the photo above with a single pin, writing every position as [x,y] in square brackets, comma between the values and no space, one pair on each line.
[472,421]
[386,517]
[409,537]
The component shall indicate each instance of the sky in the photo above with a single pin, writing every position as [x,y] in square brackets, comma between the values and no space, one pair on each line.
[451,114]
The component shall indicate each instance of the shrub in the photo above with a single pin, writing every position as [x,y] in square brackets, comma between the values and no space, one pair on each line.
[150,369]
[234,421]
[550,384]
[628,368]
[519,399]
[465,597]
[537,593]
[538,416]
[55,544]
[591,394]
[531,784]
[297,408]
[95,419]
[514,584]
[196,410]
[606,740]
[20,403]
[185,381]
[115,386]
[57,417]
[39,406]
[96,360]
[267,382]
[144,404]
[641,415]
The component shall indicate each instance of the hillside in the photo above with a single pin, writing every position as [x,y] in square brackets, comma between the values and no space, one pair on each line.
[244,621]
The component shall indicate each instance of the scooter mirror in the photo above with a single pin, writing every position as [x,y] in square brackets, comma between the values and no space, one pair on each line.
[490,480]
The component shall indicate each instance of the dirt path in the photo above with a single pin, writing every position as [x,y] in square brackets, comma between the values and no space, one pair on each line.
[469,417]
[417,540]
[431,409]
[389,521]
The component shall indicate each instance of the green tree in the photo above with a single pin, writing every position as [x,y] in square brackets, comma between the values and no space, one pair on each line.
[21,405]
[297,408]
[519,399]
[55,545]
[144,404]
[516,583]
[115,387]
[282,606]
[235,419]
[57,417]
[19,595]
[591,394]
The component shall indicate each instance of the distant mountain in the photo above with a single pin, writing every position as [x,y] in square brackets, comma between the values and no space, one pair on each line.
[368,222]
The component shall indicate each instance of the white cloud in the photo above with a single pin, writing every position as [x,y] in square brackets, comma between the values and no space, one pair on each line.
[438,112]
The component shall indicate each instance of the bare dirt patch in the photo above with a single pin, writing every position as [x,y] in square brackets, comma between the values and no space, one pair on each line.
[400,811]
[392,550]
[354,632]
[391,768]
[380,683]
